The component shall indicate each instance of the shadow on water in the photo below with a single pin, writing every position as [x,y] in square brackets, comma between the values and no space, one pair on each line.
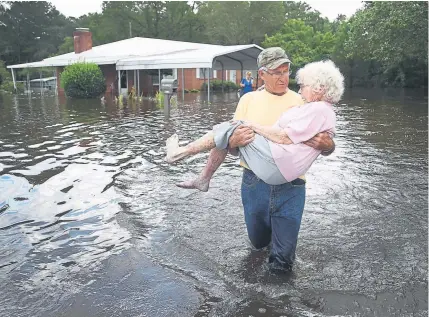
[92,224]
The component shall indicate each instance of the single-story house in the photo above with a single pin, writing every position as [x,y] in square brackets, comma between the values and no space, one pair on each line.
[143,62]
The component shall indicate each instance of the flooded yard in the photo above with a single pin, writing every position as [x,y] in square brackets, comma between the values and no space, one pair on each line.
[91,223]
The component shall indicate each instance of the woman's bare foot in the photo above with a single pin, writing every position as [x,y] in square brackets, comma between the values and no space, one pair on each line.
[174,151]
[196,183]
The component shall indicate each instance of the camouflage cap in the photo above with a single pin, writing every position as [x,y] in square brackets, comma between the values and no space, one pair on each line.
[272,58]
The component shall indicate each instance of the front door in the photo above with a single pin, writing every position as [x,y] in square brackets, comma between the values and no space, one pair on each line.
[124,83]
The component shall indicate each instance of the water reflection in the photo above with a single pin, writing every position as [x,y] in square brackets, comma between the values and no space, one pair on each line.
[86,200]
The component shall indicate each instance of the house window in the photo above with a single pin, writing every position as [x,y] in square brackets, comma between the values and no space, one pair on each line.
[154,73]
[167,73]
[233,76]
[204,73]
[124,83]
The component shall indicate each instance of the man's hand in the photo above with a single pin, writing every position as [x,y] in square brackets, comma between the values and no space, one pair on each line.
[322,142]
[242,136]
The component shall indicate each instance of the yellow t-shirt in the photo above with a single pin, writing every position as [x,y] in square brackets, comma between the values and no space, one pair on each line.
[264,108]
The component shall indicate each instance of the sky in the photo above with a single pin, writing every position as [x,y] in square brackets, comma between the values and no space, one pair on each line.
[328,8]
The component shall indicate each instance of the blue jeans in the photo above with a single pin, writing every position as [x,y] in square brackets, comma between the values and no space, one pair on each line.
[273,213]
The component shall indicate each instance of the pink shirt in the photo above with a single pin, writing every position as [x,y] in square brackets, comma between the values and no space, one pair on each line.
[301,123]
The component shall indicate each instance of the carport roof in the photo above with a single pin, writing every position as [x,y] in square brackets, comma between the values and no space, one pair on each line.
[149,53]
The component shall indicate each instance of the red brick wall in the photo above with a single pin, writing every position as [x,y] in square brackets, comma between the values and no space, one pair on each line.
[192,82]
[59,70]
[111,78]
[146,86]
[82,41]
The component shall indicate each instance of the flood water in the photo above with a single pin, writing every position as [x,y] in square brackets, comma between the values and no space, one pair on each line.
[91,223]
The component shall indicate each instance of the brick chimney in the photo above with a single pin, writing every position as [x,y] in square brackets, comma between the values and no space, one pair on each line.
[82,40]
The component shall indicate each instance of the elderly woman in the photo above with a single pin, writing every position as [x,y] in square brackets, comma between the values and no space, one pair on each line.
[277,154]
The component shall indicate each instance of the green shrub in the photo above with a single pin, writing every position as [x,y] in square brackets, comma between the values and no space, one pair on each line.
[4,73]
[83,80]
[293,84]
[8,87]
[194,90]
[159,99]
[216,85]
[6,83]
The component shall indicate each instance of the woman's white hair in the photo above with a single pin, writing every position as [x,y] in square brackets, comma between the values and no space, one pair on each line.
[323,77]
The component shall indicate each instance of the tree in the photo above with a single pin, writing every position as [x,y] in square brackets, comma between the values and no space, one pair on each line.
[30,31]
[174,20]
[302,43]
[67,46]
[4,74]
[394,34]
[302,11]
[240,22]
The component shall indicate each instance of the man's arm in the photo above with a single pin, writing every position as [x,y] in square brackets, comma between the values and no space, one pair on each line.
[329,152]
[274,134]
[322,142]
[242,135]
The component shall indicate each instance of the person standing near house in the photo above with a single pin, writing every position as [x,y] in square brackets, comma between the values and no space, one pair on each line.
[246,84]
[272,213]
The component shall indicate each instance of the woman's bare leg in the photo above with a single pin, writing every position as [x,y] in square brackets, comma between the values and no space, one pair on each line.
[176,153]
[202,182]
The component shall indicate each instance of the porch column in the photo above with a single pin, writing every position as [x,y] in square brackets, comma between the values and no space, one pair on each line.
[138,83]
[13,78]
[208,86]
[56,84]
[119,82]
[223,73]
[135,81]
[28,82]
[183,86]
[221,64]
[41,83]
[159,79]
